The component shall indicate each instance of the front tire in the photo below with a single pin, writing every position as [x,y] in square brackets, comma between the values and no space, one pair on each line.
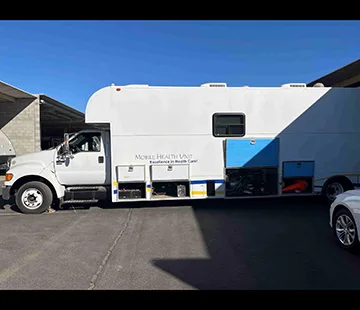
[345,230]
[33,197]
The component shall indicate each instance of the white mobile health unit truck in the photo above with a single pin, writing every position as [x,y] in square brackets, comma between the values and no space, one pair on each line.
[211,141]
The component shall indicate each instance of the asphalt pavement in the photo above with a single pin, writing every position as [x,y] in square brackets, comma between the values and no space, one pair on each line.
[237,244]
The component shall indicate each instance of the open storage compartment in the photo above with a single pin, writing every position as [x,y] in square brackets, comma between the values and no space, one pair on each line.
[262,181]
[132,190]
[174,189]
[298,177]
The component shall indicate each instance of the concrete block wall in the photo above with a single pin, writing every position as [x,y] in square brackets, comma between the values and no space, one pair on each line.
[20,121]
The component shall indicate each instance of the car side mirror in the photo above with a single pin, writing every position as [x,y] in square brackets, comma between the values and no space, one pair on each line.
[64,151]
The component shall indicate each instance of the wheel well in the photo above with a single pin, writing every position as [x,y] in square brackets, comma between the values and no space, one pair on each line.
[30,178]
[337,209]
[341,179]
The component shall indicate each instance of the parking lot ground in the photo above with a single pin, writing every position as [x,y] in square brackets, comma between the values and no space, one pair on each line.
[237,244]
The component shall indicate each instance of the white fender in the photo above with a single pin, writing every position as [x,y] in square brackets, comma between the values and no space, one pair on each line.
[35,169]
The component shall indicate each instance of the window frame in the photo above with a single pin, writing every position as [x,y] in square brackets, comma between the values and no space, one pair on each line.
[91,133]
[228,114]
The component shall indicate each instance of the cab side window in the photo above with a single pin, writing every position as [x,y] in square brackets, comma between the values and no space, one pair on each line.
[86,142]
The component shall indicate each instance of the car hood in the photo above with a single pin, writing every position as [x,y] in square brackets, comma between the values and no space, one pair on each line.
[351,194]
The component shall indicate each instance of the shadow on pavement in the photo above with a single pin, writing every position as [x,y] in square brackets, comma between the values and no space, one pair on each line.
[277,243]
[10,202]
[266,244]
[15,208]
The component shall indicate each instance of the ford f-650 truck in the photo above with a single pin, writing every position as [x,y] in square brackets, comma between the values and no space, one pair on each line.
[204,142]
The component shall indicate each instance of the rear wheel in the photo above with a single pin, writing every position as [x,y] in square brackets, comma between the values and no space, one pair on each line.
[345,230]
[336,187]
[34,197]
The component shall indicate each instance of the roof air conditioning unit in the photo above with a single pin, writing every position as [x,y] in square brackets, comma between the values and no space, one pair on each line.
[294,85]
[137,85]
[214,85]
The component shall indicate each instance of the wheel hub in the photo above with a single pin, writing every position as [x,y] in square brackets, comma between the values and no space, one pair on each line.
[334,190]
[32,198]
[345,230]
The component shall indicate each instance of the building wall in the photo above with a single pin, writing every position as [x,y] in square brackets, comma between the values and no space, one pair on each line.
[20,121]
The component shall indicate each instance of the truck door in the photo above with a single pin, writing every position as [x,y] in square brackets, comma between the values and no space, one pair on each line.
[87,165]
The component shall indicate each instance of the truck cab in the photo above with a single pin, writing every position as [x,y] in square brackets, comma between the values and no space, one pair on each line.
[77,170]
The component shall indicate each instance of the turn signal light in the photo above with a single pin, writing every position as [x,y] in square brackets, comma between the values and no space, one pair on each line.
[8,177]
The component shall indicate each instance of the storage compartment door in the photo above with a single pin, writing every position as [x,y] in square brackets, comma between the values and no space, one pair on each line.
[298,169]
[249,153]
[169,172]
[130,173]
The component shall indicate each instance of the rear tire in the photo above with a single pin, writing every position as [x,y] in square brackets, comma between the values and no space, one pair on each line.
[345,230]
[34,197]
[334,188]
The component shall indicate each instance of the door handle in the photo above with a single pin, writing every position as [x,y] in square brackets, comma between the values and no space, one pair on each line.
[101,159]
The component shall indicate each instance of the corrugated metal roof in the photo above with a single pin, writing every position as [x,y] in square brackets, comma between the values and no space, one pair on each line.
[14,92]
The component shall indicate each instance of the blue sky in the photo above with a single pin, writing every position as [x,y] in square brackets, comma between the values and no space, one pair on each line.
[70,60]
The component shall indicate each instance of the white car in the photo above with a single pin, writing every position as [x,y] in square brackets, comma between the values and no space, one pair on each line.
[345,219]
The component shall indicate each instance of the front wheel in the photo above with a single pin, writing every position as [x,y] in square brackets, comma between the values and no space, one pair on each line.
[34,197]
[345,230]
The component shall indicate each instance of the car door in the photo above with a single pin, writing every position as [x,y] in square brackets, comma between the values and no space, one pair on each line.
[86,165]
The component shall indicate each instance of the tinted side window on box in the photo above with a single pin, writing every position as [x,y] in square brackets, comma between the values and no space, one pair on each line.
[228,125]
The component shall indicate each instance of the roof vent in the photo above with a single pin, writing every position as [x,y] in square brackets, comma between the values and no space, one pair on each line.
[294,85]
[319,85]
[214,85]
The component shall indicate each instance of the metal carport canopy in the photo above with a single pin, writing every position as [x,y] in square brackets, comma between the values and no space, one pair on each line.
[56,116]
[9,93]
[347,76]
[59,112]
[10,96]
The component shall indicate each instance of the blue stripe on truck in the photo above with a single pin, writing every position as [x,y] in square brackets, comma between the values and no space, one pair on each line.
[204,181]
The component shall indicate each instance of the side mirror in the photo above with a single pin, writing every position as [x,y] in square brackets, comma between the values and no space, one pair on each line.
[66,144]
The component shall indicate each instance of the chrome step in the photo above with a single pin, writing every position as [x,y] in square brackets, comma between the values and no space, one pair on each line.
[80,201]
[84,188]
